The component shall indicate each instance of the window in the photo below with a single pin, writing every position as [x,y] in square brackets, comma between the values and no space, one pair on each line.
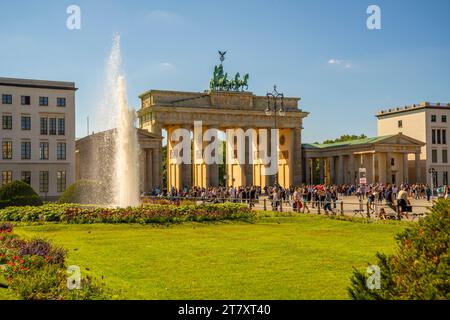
[434,156]
[26,150]
[43,150]
[392,162]
[444,118]
[52,126]
[433,118]
[61,102]
[61,151]
[25,176]
[26,123]
[6,177]
[433,136]
[61,126]
[60,181]
[445,178]
[44,126]
[400,123]
[25,100]
[43,181]
[444,156]
[438,134]
[7,150]
[43,101]
[444,136]
[6,99]
[7,122]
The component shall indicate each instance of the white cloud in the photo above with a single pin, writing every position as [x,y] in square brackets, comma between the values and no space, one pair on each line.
[342,63]
[166,66]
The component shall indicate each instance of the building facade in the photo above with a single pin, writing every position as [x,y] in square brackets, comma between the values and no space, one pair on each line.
[95,158]
[220,111]
[379,160]
[38,134]
[426,122]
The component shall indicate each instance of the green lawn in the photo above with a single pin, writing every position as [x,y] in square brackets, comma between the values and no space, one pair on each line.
[302,257]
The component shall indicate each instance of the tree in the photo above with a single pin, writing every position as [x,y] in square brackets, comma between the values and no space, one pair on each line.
[346,137]
[420,268]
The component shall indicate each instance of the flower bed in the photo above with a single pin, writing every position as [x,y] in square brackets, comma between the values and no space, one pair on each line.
[162,214]
[36,270]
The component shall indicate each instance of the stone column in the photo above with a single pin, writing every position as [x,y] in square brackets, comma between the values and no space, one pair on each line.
[388,168]
[340,169]
[248,168]
[417,167]
[351,168]
[405,168]
[297,157]
[374,168]
[156,158]
[186,168]
[307,171]
[148,170]
[212,170]
[331,166]
[322,170]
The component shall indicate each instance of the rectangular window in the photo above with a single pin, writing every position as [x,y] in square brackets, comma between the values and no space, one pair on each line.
[44,126]
[25,176]
[61,151]
[392,162]
[438,135]
[434,156]
[444,118]
[61,102]
[6,99]
[433,136]
[444,136]
[26,150]
[445,178]
[60,181]
[6,177]
[7,150]
[43,181]
[26,123]
[43,150]
[400,124]
[25,100]
[52,126]
[43,101]
[444,156]
[433,118]
[7,122]
[61,126]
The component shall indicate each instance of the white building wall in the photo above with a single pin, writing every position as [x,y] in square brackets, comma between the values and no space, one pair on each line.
[34,89]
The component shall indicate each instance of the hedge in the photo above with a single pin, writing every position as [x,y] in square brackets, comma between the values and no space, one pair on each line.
[18,193]
[161,214]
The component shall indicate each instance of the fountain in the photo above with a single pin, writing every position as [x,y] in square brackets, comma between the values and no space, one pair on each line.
[120,173]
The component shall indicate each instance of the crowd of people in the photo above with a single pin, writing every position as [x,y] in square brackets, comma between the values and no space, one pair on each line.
[304,197]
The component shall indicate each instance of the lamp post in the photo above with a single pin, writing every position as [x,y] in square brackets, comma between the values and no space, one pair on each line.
[275,104]
[432,171]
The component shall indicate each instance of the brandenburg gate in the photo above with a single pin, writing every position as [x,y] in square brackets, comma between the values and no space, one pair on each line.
[226,105]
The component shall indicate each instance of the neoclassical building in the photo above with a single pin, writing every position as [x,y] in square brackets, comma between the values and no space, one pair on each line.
[221,110]
[383,159]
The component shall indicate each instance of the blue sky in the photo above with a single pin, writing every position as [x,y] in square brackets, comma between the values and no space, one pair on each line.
[320,51]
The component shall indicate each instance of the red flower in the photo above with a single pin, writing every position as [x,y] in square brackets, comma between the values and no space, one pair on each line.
[15,257]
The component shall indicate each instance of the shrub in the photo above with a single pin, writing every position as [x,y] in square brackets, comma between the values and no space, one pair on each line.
[145,214]
[44,249]
[420,268]
[86,192]
[6,227]
[18,193]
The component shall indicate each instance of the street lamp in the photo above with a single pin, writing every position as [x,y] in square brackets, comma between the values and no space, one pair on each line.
[432,171]
[275,105]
